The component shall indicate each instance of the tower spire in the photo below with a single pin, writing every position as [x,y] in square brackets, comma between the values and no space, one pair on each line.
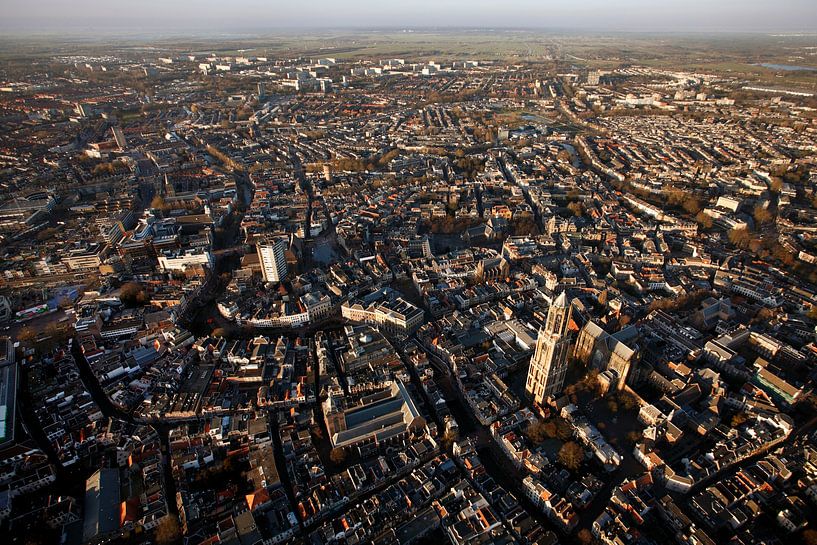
[548,367]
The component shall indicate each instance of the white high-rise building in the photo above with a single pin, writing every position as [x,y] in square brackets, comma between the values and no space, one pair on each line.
[271,254]
[548,367]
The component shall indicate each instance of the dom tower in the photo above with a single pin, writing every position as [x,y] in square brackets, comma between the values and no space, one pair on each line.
[548,367]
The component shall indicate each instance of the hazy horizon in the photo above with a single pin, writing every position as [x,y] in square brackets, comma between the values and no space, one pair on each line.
[188,16]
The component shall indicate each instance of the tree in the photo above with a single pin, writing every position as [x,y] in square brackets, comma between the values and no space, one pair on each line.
[159,203]
[740,237]
[56,332]
[738,419]
[549,428]
[764,316]
[687,301]
[133,294]
[563,430]
[26,335]
[338,456]
[103,169]
[563,156]
[571,455]
[809,537]
[704,220]
[590,381]
[317,431]
[577,208]
[168,530]
[762,214]
[541,430]
[627,401]
[387,158]
[524,225]
[47,234]
[585,536]
[448,439]
[684,199]
[692,205]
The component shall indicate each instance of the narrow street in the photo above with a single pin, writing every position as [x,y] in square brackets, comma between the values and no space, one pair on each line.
[478,194]
[91,383]
[496,463]
[281,465]
[111,410]
[536,215]
[32,425]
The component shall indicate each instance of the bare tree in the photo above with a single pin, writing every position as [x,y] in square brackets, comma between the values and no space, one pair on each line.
[168,530]
[338,456]
[571,455]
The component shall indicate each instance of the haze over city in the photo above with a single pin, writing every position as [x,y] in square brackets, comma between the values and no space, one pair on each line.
[184,16]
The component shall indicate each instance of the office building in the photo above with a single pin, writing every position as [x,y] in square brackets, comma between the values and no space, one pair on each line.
[272,255]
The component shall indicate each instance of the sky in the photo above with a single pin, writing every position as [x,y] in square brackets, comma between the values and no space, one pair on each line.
[80,16]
